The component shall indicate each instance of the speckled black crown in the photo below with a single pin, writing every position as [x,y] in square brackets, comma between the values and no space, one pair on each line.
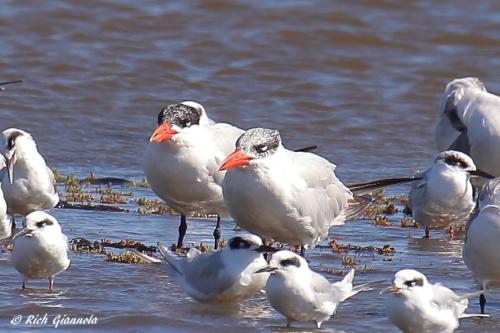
[239,243]
[179,114]
[259,142]
[455,158]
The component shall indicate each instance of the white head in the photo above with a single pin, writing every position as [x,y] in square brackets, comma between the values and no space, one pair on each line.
[37,224]
[252,146]
[462,162]
[452,95]
[247,243]
[15,145]
[409,283]
[177,118]
[286,262]
[456,159]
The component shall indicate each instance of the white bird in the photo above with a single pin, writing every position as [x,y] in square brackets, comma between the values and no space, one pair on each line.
[5,222]
[182,159]
[417,306]
[445,195]
[40,249]
[481,252]
[292,197]
[300,294]
[226,275]
[28,184]
[470,122]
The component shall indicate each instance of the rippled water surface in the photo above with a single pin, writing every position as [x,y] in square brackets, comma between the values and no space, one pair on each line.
[362,79]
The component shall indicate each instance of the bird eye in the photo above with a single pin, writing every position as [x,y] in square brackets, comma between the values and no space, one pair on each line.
[12,139]
[416,282]
[290,262]
[260,148]
[43,223]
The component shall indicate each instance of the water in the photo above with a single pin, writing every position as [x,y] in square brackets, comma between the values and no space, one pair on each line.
[361,79]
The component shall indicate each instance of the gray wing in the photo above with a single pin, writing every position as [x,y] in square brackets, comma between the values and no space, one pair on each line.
[445,298]
[208,274]
[320,198]
[324,295]
[461,143]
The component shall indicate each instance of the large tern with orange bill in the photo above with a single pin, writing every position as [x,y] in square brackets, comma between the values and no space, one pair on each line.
[291,197]
[182,160]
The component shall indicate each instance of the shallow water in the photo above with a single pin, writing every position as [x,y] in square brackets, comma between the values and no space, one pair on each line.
[361,79]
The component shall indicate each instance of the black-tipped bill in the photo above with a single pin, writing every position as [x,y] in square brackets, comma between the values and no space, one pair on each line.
[265,249]
[10,169]
[24,232]
[481,173]
[267,269]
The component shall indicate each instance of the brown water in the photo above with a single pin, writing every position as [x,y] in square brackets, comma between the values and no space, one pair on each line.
[362,79]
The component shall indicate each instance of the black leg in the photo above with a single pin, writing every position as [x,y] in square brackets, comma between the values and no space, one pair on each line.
[13,223]
[217,233]
[427,232]
[482,302]
[182,231]
[302,251]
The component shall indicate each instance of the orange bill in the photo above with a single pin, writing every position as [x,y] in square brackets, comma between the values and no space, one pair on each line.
[236,159]
[162,133]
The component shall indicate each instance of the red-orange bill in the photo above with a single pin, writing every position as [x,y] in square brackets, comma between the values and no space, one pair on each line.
[162,133]
[236,159]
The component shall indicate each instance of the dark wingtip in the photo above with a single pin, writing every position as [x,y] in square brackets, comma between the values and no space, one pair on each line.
[306,149]
[380,183]
[10,82]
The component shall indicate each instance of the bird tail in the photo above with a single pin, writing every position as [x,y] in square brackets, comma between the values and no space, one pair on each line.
[357,205]
[473,315]
[346,290]
[369,187]
[145,257]
[469,295]
[172,260]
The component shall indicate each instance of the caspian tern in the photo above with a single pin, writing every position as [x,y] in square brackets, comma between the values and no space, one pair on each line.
[182,159]
[226,275]
[300,294]
[291,197]
[28,184]
[470,122]
[481,251]
[415,305]
[40,249]
[445,196]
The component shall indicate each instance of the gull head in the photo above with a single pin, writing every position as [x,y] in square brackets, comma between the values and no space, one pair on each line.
[38,223]
[15,143]
[456,159]
[286,262]
[177,117]
[247,243]
[408,282]
[253,145]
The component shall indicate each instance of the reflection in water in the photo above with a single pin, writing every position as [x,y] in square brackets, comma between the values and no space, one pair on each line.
[438,246]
